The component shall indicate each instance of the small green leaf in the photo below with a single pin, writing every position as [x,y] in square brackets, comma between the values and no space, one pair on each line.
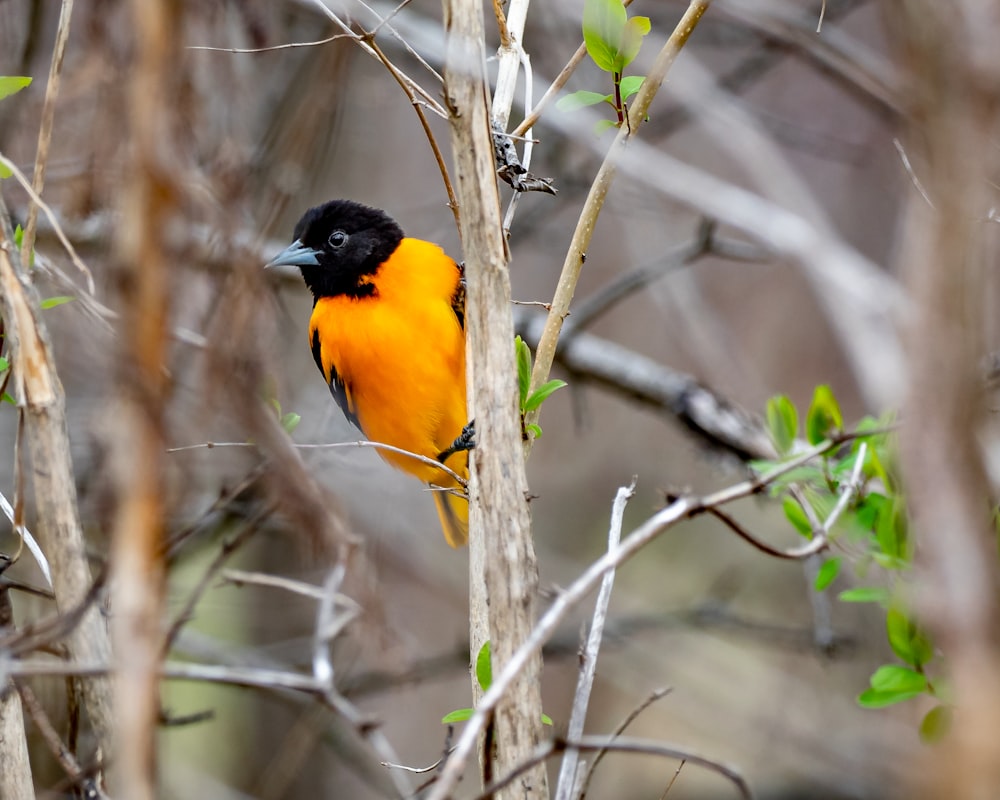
[523,355]
[630,85]
[582,99]
[935,724]
[541,394]
[891,530]
[484,669]
[52,302]
[876,698]
[864,594]
[6,398]
[12,84]
[827,573]
[907,640]
[782,422]
[290,421]
[603,25]
[4,364]
[534,430]
[796,516]
[894,678]
[458,715]
[602,125]
[824,417]
[546,720]
[631,40]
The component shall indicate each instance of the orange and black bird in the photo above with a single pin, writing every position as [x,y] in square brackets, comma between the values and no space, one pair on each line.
[388,333]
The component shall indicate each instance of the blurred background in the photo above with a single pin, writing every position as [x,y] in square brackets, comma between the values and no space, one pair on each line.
[259,137]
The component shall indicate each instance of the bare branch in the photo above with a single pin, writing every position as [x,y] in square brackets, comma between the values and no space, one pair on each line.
[588,662]
[646,747]
[45,131]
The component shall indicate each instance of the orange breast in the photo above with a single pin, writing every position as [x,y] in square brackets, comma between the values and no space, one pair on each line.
[401,356]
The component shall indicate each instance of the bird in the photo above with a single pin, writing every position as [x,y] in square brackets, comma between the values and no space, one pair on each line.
[387,332]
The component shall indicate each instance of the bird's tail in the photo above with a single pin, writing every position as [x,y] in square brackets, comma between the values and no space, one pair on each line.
[454,513]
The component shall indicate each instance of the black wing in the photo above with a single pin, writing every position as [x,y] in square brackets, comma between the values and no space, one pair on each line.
[337,387]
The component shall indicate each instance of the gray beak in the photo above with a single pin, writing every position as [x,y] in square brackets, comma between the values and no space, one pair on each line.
[295,255]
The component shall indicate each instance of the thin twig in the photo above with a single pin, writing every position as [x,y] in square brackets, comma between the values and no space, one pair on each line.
[560,80]
[573,263]
[642,746]
[332,445]
[45,131]
[273,47]
[238,578]
[911,173]
[56,227]
[588,661]
[651,698]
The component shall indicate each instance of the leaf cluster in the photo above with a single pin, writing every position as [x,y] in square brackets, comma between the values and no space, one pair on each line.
[873,533]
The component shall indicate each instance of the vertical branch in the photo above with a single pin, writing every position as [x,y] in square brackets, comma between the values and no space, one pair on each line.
[948,254]
[45,132]
[566,287]
[40,396]
[501,550]
[138,444]
[15,777]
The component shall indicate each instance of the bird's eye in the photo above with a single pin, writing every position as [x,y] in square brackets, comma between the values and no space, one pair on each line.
[337,239]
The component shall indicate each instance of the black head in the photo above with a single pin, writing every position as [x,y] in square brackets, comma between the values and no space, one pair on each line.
[338,247]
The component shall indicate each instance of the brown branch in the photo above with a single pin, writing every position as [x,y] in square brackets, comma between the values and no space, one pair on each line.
[640,746]
[136,459]
[503,572]
[40,394]
[573,263]
[632,715]
[15,777]
[45,131]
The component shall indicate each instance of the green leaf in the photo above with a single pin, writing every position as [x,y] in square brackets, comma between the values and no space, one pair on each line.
[12,84]
[796,516]
[935,724]
[484,669]
[630,85]
[52,302]
[603,25]
[876,698]
[782,422]
[631,40]
[893,678]
[290,421]
[523,354]
[910,644]
[534,430]
[827,573]
[541,394]
[6,398]
[4,364]
[891,530]
[582,99]
[824,417]
[864,594]
[602,125]
[546,720]
[458,715]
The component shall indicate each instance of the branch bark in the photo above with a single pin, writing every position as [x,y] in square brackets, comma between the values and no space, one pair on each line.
[502,557]
[139,441]
[948,257]
[41,400]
